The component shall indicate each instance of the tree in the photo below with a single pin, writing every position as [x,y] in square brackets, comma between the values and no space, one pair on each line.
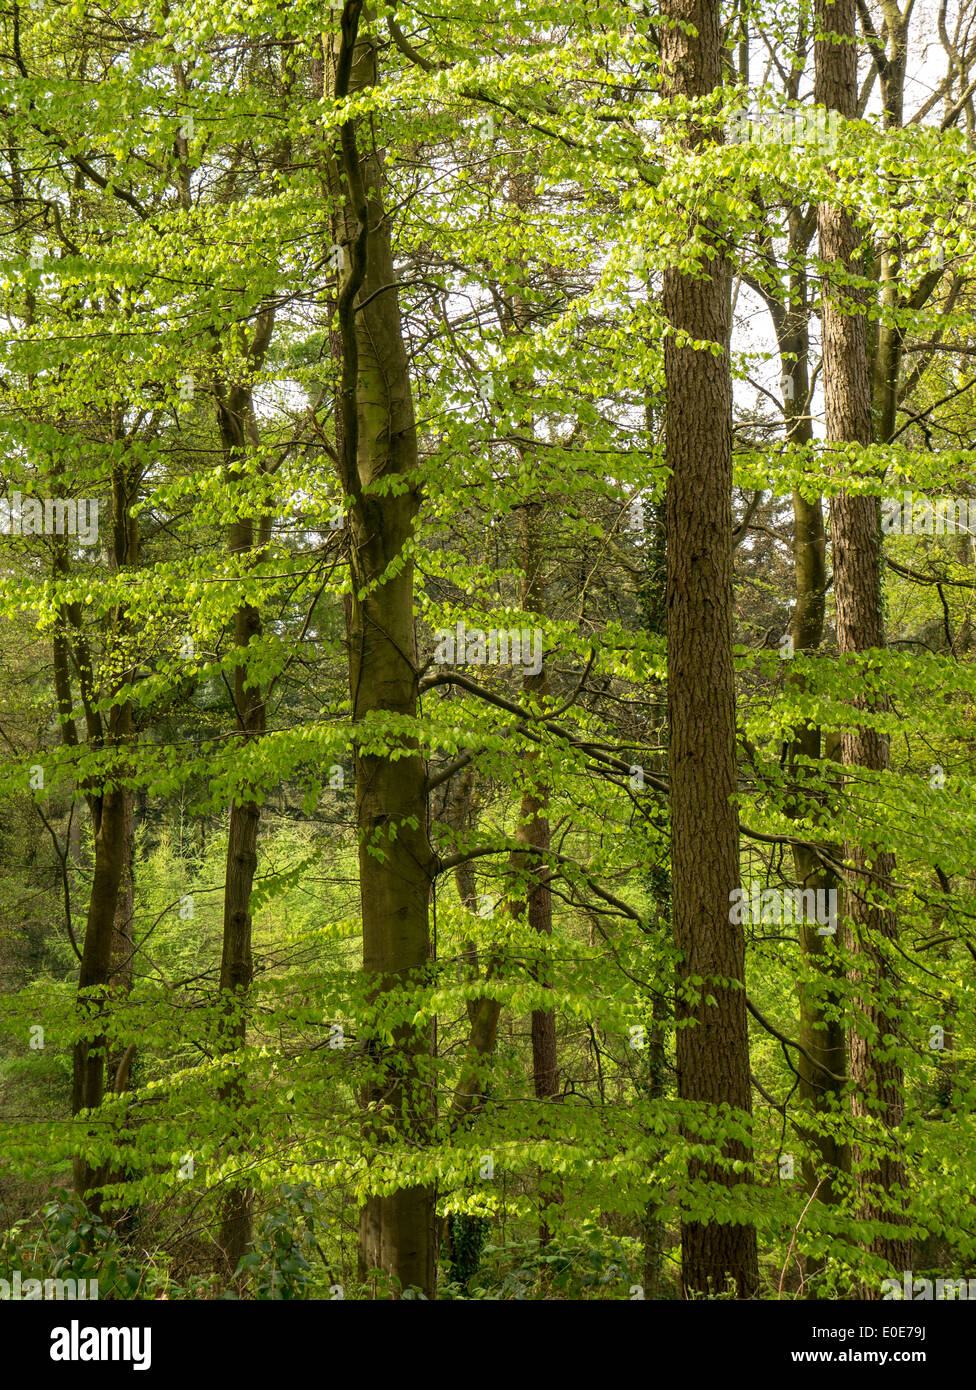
[378,474]
[855,529]
[712,1036]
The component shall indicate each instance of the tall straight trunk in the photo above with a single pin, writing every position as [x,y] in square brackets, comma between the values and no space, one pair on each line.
[890,340]
[238,432]
[876,1074]
[101,951]
[533,823]
[123,934]
[652,606]
[453,804]
[822,1065]
[534,832]
[533,829]
[124,554]
[236,963]
[106,958]
[378,442]
[712,1038]
[483,1011]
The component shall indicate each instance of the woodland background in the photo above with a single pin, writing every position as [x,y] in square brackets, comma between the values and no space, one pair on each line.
[327,970]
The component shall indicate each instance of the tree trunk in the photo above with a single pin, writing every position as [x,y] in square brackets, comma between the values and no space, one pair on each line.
[877,1080]
[823,1063]
[238,431]
[652,600]
[533,831]
[712,1039]
[378,442]
[106,962]
[101,948]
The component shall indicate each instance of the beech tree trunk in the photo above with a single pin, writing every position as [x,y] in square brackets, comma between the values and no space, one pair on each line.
[101,950]
[657,882]
[378,442]
[534,832]
[238,431]
[712,1039]
[876,1075]
[106,958]
[822,1065]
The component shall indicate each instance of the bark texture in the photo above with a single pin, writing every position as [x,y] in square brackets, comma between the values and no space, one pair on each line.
[239,435]
[378,443]
[106,957]
[712,1039]
[876,1074]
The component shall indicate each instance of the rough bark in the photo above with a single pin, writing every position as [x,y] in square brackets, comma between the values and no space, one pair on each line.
[533,824]
[483,1011]
[534,832]
[101,946]
[712,1039]
[106,958]
[823,1063]
[652,600]
[876,1075]
[238,430]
